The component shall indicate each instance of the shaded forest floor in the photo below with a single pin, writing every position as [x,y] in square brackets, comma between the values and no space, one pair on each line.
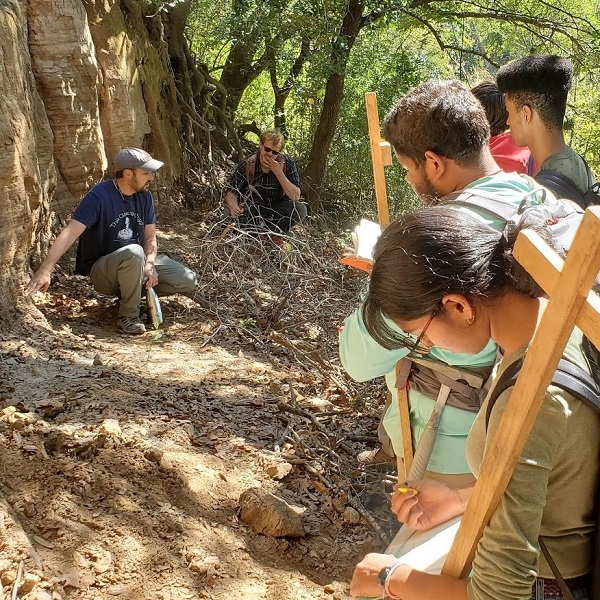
[123,458]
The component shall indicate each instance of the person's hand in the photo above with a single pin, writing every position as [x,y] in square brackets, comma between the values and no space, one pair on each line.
[39,282]
[433,503]
[275,164]
[234,207]
[364,580]
[150,274]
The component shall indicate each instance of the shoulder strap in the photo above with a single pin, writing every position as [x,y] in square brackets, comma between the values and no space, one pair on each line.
[561,185]
[482,201]
[567,376]
[251,168]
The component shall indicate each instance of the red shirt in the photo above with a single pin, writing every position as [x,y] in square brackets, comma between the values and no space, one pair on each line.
[510,157]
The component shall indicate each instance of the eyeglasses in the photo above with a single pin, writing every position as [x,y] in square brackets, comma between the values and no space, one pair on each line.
[271,151]
[418,347]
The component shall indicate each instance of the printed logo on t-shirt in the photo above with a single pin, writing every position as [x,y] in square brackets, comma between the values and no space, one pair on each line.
[126,233]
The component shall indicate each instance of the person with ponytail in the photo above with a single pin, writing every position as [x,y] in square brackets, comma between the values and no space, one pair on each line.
[447,278]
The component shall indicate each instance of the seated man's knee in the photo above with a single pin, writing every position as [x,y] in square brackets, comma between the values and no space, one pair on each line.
[188,282]
[300,211]
[133,252]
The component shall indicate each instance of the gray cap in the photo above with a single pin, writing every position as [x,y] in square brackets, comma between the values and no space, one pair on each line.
[136,158]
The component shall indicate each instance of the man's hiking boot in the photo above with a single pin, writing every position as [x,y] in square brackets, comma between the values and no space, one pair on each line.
[131,325]
[379,457]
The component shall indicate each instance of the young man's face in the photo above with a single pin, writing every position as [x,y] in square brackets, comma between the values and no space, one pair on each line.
[516,122]
[270,149]
[417,178]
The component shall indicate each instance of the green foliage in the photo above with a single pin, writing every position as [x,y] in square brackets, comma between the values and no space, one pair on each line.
[399,46]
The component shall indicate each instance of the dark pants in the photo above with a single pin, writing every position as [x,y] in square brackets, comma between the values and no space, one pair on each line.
[278,217]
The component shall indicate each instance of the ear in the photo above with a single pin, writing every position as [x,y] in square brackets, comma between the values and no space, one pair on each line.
[527,113]
[435,165]
[458,309]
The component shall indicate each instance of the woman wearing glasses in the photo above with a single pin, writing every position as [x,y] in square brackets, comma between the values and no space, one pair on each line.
[443,276]
[264,190]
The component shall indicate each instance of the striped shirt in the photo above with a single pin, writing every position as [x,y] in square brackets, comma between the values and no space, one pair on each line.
[263,188]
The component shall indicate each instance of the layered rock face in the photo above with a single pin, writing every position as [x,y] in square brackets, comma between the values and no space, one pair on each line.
[78,81]
[27,166]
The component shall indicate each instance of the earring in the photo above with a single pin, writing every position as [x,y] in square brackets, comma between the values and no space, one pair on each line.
[471,319]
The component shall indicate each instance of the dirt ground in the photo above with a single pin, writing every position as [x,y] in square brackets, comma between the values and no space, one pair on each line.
[122,459]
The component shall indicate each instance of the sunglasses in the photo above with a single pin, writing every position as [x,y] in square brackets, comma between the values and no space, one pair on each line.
[271,151]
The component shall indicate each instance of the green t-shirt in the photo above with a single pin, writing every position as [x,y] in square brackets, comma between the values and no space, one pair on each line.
[363,358]
[569,163]
[551,492]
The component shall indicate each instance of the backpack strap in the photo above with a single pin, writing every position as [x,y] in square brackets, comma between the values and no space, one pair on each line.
[578,383]
[480,200]
[530,165]
[562,186]
[564,588]
[569,377]
[251,168]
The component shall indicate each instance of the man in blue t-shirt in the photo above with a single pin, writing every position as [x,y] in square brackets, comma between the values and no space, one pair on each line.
[116,226]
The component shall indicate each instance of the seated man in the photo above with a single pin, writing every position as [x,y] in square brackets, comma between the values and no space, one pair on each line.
[510,157]
[535,88]
[115,224]
[264,190]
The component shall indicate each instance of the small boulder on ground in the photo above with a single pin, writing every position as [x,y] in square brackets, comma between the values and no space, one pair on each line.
[270,515]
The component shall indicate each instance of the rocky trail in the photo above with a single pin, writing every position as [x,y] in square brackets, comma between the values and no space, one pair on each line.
[147,467]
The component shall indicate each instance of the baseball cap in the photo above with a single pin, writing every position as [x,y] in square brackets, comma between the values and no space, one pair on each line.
[136,158]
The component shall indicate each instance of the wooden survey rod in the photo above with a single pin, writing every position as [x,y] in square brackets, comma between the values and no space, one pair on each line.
[570,302]
[404,463]
[381,156]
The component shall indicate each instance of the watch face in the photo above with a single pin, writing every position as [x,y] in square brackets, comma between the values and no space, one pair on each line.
[383,576]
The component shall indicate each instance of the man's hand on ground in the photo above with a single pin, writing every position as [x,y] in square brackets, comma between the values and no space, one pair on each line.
[234,208]
[39,282]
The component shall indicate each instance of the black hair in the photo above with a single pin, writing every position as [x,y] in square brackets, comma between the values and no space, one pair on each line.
[438,115]
[492,100]
[435,251]
[119,174]
[541,81]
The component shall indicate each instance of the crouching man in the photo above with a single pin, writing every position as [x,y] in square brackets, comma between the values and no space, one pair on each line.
[116,226]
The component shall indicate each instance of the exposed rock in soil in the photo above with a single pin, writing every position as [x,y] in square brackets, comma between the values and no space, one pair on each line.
[269,514]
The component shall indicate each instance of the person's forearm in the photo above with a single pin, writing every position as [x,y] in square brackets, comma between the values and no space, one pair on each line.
[150,250]
[291,191]
[409,584]
[231,199]
[61,244]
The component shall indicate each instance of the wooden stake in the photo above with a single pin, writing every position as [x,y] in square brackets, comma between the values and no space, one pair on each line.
[566,307]
[405,463]
[380,155]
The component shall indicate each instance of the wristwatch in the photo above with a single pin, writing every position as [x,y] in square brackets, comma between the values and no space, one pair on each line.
[383,575]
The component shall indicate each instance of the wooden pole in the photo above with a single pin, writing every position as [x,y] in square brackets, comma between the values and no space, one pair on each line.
[570,294]
[381,156]
[404,463]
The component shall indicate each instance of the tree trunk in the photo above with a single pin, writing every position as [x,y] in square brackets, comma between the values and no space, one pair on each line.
[314,174]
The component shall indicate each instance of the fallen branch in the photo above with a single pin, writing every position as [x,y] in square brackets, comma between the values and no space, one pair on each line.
[320,365]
